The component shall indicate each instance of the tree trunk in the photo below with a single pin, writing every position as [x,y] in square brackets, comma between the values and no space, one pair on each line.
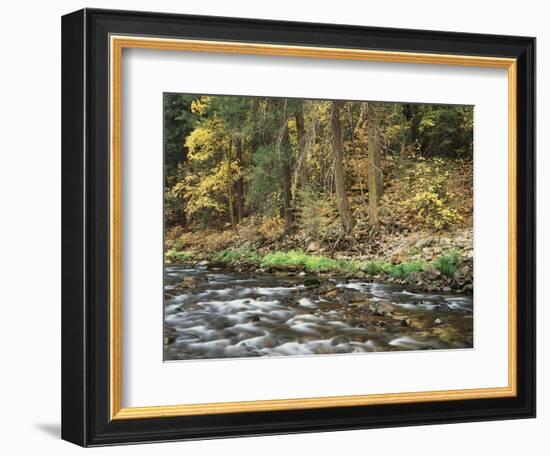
[374,181]
[342,200]
[287,180]
[359,125]
[300,136]
[378,162]
[239,184]
[231,208]
[182,218]
[413,117]
[230,196]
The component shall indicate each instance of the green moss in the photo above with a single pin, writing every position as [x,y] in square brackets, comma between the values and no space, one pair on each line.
[174,256]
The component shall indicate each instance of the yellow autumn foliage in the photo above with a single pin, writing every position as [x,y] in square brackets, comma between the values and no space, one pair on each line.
[428,203]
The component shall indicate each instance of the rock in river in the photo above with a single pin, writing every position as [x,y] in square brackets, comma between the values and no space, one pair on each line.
[357,298]
[383,309]
[188,282]
[312,282]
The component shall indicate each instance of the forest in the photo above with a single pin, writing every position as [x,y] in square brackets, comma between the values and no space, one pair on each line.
[297,227]
[290,183]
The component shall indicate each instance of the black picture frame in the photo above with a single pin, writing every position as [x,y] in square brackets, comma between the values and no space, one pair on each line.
[85,225]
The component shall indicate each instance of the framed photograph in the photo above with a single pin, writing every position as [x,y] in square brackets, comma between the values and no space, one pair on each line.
[278,227]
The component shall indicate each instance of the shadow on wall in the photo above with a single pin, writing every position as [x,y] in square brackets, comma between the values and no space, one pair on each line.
[51,429]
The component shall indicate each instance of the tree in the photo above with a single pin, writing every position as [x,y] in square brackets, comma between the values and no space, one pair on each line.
[301,170]
[413,117]
[238,123]
[213,168]
[227,157]
[286,209]
[375,179]
[285,154]
[346,216]
[178,124]
[239,183]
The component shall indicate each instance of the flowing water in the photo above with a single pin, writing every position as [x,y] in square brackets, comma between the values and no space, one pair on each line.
[222,314]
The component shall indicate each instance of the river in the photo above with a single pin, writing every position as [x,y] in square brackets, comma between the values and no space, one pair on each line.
[212,314]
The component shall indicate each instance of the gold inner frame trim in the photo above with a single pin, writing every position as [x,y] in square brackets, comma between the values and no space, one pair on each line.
[117,44]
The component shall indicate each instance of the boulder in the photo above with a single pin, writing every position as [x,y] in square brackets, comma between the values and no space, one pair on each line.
[383,309]
[312,247]
[340,340]
[423,243]
[188,282]
[430,273]
[459,278]
[399,257]
[356,296]
[312,282]
[328,291]
[464,274]
[414,277]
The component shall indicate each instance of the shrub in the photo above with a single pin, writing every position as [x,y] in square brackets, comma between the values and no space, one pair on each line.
[373,267]
[315,213]
[403,270]
[428,203]
[271,227]
[447,264]
[174,232]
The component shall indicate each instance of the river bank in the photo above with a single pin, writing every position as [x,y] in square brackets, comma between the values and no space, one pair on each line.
[419,263]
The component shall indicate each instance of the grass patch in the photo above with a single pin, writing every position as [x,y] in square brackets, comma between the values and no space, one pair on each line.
[233,256]
[375,267]
[296,259]
[403,270]
[447,264]
[175,256]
